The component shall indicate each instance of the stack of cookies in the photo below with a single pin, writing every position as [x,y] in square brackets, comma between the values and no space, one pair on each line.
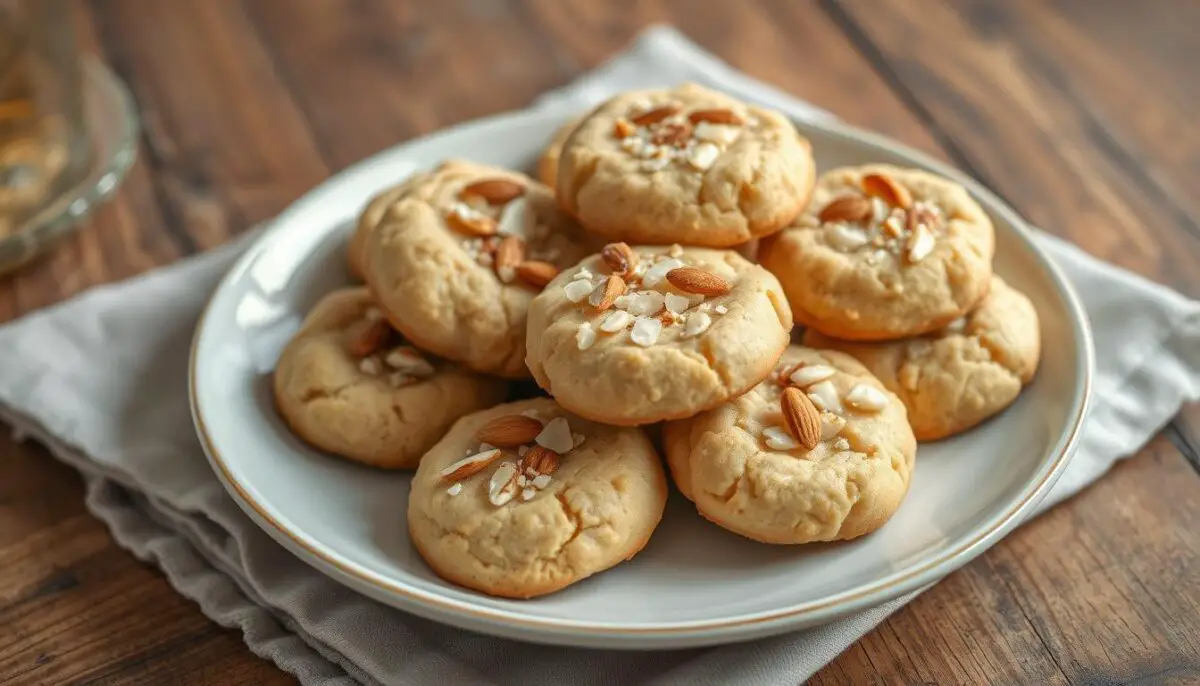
[625,285]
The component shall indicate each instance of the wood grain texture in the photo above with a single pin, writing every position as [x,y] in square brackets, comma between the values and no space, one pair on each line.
[1076,111]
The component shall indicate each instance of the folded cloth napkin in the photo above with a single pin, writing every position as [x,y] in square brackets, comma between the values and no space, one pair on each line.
[101,380]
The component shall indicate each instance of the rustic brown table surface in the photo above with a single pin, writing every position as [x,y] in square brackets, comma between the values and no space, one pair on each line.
[1081,114]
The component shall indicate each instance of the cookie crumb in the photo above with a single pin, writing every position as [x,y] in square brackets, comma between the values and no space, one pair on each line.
[721,309]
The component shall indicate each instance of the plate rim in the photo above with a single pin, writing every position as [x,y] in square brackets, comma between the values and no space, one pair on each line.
[501,621]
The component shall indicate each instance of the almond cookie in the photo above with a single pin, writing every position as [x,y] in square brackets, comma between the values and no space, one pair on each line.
[455,263]
[638,335]
[547,166]
[962,374]
[348,385]
[818,452]
[883,253]
[525,499]
[685,165]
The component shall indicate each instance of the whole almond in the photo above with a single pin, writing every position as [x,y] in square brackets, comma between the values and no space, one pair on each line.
[623,129]
[655,115]
[536,273]
[696,280]
[373,338]
[620,258]
[888,190]
[614,287]
[541,460]
[802,418]
[509,254]
[509,431]
[494,191]
[846,208]
[472,464]
[473,225]
[721,116]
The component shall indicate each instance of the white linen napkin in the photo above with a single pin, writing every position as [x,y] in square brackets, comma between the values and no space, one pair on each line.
[101,380]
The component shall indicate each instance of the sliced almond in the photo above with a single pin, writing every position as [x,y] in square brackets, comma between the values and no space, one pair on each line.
[556,436]
[623,129]
[778,438]
[620,258]
[655,115]
[606,293]
[494,191]
[887,189]
[866,398]
[509,431]
[846,208]
[373,338]
[536,273]
[718,116]
[919,244]
[471,223]
[509,254]
[541,460]
[802,418]
[805,375]
[696,280]
[503,484]
[471,464]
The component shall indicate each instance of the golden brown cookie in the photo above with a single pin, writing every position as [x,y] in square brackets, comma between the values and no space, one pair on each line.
[455,263]
[818,452]
[525,499]
[962,374]
[638,335]
[883,253]
[348,385]
[686,165]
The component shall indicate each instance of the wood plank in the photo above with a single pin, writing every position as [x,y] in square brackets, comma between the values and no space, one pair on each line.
[382,91]
[227,145]
[1101,589]
[74,606]
[1018,127]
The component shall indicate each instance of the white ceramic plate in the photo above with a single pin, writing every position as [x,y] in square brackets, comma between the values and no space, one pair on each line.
[694,584]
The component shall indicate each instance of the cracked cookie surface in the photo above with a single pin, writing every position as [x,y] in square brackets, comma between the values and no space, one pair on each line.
[595,509]
[744,471]
[883,252]
[685,165]
[439,262]
[959,376]
[664,345]
[364,408]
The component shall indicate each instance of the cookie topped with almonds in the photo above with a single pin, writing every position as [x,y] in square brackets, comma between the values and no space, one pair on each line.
[636,335]
[455,262]
[524,499]
[882,253]
[820,451]
[348,384]
[684,165]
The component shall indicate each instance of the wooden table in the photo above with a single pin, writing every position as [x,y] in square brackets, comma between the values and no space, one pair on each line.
[1081,114]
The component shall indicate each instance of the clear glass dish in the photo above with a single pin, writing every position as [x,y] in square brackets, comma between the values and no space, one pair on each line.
[112,127]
